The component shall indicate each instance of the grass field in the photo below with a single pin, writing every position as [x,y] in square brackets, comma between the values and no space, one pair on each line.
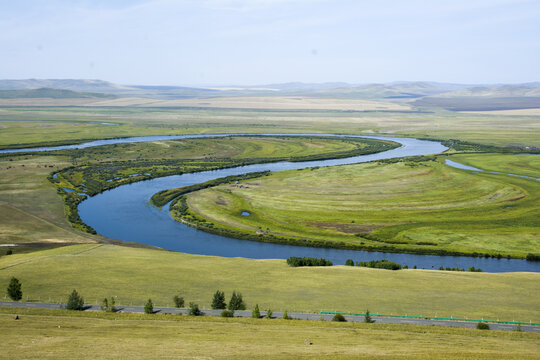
[60,334]
[414,206]
[134,275]
[65,124]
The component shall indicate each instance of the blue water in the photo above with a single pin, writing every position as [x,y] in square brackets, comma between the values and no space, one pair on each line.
[125,213]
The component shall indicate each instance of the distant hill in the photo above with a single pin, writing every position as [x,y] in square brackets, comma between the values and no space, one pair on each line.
[482,98]
[50,94]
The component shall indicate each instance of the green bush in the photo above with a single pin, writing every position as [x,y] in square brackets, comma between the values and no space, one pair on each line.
[349,262]
[482,326]
[380,264]
[307,261]
[339,317]
[75,301]
[14,289]
[227,313]
[256,312]
[218,301]
[286,316]
[268,314]
[149,307]
[107,305]
[367,317]
[178,301]
[194,309]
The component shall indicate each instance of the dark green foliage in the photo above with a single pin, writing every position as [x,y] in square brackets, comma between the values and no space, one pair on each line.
[178,301]
[380,264]
[75,301]
[268,314]
[482,326]
[473,269]
[532,257]
[405,266]
[307,261]
[339,317]
[149,307]
[14,290]
[9,252]
[194,309]
[236,302]
[227,313]
[108,305]
[349,262]
[256,312]
[367,317]
[218,302]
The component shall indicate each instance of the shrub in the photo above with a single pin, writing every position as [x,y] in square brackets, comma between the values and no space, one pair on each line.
[349,262]
[75,301]
[286,316]
[218,302]
[307,261]
[9,252]
[194,309]
[107,305]
[367,317]
[236,303]
[532,257]
[227,313]
[149,307]
[14,289]
[256,313]
[380,264]
[268,314]
[178,301]
[339,317]
[482,326]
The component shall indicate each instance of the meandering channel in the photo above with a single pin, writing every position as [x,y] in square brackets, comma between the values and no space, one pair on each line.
[124,213]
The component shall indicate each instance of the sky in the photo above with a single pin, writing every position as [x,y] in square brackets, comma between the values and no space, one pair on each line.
[255,42]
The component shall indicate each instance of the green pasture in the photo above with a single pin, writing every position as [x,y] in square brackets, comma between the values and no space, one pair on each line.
[64,334]
[133,275]
[527,165]
[415,206]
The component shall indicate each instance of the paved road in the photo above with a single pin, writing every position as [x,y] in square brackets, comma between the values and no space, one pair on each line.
[277,314]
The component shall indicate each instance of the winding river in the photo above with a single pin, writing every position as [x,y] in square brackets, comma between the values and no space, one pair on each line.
[124,213]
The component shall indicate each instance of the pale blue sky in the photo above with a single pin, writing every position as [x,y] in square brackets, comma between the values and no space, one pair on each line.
[220,42]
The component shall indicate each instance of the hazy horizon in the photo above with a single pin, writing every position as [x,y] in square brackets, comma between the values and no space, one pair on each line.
[219,43]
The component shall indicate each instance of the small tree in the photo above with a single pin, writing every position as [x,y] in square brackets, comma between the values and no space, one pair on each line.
[339,317]
[349,262]
[149,307]
[227,313]
[194,309]
[14,289]
[75,301]
[178,301]
[107,305]
[286,316]
[218,302]
[236,302]
[367,317]
[268,314]
[256,312]
[9,252]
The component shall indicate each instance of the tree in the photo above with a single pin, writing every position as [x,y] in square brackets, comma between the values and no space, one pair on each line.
[149,307]
[367,317]
[482,326]
[236,302]
[256,312]
[286,316]
[218,302]
[194,309]
[268,314]
[14,289]
[107,305]
[178,301]
[227,313]
[349,262]
[75,301]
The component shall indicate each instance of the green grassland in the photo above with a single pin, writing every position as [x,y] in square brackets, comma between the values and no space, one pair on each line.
[401,206]
[133,275]
[511,164]
[30,206]
[61,334]
[46,125]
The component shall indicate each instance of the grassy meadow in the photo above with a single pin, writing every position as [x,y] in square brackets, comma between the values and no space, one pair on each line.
[58,334]
[416,206]
[133,275]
